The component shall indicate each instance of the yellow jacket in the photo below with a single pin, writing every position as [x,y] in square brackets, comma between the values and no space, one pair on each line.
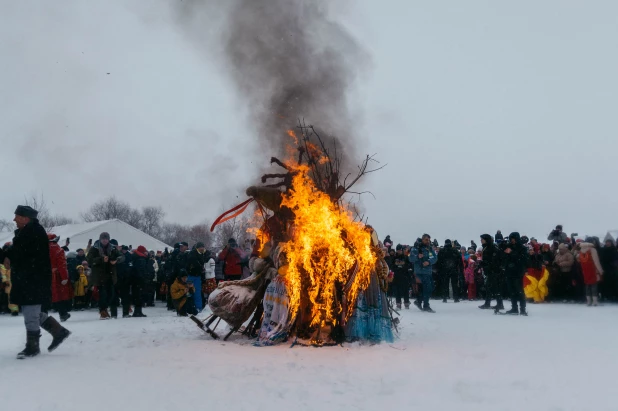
[81,285]
[6,275]
[179,291]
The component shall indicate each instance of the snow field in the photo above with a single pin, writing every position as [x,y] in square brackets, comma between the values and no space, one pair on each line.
[562,357]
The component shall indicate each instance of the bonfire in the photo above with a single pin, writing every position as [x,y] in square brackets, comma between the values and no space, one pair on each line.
[321,248]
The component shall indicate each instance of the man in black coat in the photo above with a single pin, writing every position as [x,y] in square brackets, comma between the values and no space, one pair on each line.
[450,266]
[31,277]
[516,260]
[401,278]
[102,258]
[491,263]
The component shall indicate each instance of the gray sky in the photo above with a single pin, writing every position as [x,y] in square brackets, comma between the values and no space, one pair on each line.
[489,114]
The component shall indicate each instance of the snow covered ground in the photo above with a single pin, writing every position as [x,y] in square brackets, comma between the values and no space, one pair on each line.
[562,357]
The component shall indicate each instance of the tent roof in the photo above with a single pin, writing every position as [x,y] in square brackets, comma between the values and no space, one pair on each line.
[80,233]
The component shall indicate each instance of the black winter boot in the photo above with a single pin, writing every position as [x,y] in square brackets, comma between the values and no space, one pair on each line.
[32,345]
[498,306]
[523,312]
[138,312]
[485,306]
[417,303]
[65,317]
[58,332]
[513,311]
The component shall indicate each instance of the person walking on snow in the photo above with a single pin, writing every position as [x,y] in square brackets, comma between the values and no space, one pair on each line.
[31,276]
[62,291]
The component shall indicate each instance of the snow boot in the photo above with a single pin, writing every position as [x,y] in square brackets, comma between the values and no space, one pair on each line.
[114,313]
[595,301]
[138,313]
[406,305]
[32,345]
[444,300]
[104,315]
[15,313]
[417,303]
[513,311]
[58,332]
[588,301]
[456,300]
[523,312]
[499,306]
[485,306]
[428,309]
[399,306]
[63,318]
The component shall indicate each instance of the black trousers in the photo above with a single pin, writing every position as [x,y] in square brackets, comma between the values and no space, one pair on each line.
[401,289]
[131,292]
[516,290]
[108,297]
[493,287]
[453,278]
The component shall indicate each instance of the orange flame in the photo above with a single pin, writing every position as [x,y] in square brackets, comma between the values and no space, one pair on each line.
[327,248]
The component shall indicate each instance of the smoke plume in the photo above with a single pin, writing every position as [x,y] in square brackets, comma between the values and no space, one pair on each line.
[289,61]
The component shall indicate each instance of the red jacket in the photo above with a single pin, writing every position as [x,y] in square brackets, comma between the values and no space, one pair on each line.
[59,273]
[232,258]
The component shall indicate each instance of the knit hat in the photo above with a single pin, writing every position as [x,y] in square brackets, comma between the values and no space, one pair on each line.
[125,248]
[104,236]
[448,243]
[26,211]
[184,243]
[114,242]
[399,247]
[141,251]
[231,241]
[199,244]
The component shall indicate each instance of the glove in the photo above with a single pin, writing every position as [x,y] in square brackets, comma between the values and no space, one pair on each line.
[64,282]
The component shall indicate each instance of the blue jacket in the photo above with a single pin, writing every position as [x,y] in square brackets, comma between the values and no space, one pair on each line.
[428,255]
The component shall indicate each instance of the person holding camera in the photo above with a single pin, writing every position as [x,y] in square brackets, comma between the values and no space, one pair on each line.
[102,257]
[558,235]
[424,257]
[232,256]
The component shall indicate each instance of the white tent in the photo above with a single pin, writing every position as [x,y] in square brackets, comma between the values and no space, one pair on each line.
[81,233]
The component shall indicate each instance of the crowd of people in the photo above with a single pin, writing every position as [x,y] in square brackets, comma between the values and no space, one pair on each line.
[565,269]
[39,276]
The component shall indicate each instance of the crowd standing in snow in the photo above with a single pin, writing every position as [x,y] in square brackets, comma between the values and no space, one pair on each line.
[565,269]
[39,276]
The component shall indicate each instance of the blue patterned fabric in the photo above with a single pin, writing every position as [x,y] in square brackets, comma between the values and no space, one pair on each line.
[369,323]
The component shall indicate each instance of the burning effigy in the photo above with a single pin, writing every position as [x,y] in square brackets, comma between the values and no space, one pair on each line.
[318,270]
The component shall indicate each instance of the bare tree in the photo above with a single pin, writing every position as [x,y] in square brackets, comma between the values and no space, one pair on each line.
[152,218]
[175,233]
[235,228]
[45,217]
[6,225]
[108,209]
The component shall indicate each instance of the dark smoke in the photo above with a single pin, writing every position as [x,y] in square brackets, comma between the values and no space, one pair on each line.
[289,60]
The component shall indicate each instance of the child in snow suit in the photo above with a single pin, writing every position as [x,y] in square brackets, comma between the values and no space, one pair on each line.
[469,274]
[80,287]
[182,296]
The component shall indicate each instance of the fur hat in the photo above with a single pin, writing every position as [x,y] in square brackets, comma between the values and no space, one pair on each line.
[26,211]
[104,236]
